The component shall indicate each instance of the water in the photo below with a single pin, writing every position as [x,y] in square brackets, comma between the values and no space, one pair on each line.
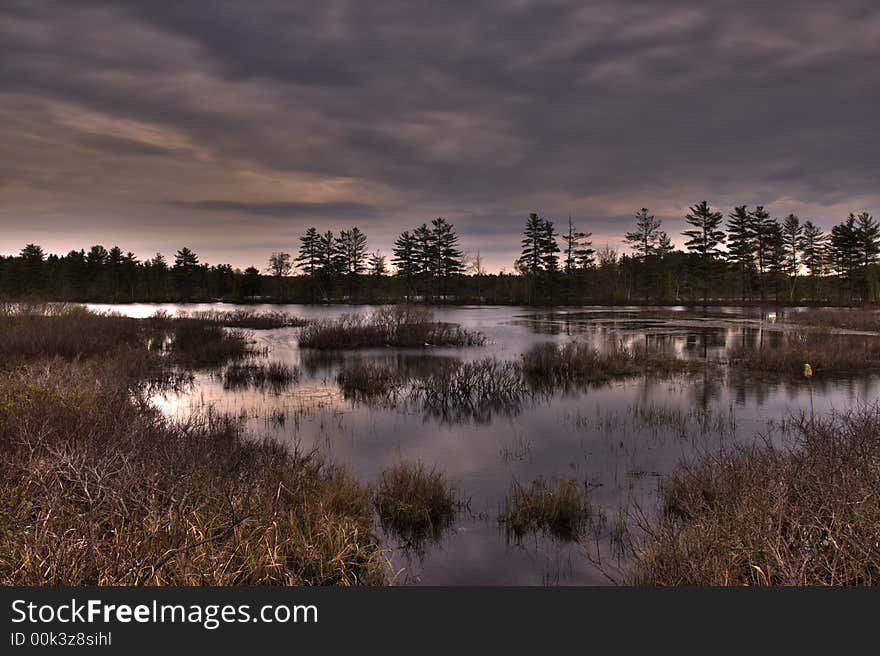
[620,439]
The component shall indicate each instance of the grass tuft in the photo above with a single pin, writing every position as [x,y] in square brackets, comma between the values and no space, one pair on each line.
[559,508]
[415,503]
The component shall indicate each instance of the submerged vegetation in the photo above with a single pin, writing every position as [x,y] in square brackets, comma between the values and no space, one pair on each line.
[397,325]
[803,513]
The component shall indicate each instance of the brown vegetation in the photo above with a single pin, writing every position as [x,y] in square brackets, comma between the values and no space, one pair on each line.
[825,351]
[551,365]
[559,508]
[806,513]
[396,325]
[415,503]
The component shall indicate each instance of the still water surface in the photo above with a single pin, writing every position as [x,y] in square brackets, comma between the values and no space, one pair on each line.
[609,436]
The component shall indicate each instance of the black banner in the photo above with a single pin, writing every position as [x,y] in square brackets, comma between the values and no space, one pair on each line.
[129,620]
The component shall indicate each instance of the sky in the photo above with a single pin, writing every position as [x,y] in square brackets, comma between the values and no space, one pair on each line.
[230,127]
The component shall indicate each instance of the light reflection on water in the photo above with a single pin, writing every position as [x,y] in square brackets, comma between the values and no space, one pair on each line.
[595,435]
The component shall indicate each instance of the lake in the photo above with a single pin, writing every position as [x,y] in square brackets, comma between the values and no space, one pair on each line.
[619,439]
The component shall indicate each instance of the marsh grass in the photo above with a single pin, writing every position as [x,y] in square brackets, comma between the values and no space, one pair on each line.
[370,381]
[69,331]
[442,387]
[275,376]
[415,503]
[397,325]
[575,363]
[475,390]
[241,319]
[805,512]
[559,508]
[826,351]
[863,319]
[100,489]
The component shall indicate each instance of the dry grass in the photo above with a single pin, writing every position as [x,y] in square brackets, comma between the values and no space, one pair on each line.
[552,366]
[242,318]
[275,376]
[559,508]
[807,513]
[100,489]
[472,391]
[370,381]
[415,503]
[396,325]
[37,331]
[825,351]
[855,319]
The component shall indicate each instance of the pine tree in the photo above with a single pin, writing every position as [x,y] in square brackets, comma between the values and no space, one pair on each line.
[352,251]
[814,244]
[445,244]
[446,254]
[531,260]
[792,232]
[645,239]
[763,230]
[405,258]
[845,251]
[741,246]
[704,239]
[308,259]
[377,265]
[549,248]
[868,235]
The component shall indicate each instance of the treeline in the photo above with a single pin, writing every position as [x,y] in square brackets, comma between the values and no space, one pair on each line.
[746,256]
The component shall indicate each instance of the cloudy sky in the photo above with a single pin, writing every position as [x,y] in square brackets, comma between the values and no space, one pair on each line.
[231,126]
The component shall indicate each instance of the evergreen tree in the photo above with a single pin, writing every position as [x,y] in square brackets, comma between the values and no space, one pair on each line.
[846,251]
[814,243]
[645,239]
[704,239]
[764,230]
[377,265]
[579,252]
[741,246]
[531,260]
[792,233]
[309,259]
[405,258]
[352,251]
[250,284]
[32,258]
[446,253]
[868,235]
[550,248]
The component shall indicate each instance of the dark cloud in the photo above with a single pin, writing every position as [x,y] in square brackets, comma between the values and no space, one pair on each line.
[288,209]
[392,112]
